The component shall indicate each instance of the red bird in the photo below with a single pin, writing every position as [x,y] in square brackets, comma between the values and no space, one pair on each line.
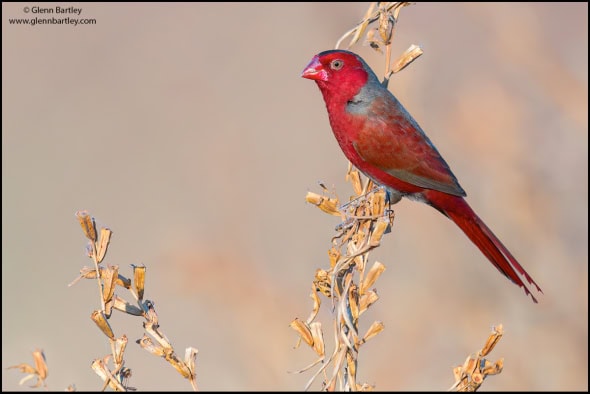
[382,140]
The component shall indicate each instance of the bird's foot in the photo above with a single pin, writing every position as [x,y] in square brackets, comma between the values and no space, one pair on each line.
[391,197]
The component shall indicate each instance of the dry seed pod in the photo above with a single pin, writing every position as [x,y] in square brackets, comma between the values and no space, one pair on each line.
[322,282]
[380,228]
[139,279]
[372,276]
[318,338]
[316,303]
[123,306]
[353,301]
[458,373]
[477,378]
[146,343]
[375,329]
[354,177]
[351,362]
[493,368]
[190,359]
[179,365]
[99,318]
[386,25]
[40,363]
[100,368]
[120,345]
[328,205]
[150,315]
[86,273]
[378,203]
[411,54]
[303,330]
[109,276]
[103,244]
[367,299]
[39,371]
[372,41]
[333,255]
[87,224]
[123,282]
[493,339]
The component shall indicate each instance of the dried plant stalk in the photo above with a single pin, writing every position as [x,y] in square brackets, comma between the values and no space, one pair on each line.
[470,376]
[39,371]
[365,219]
[108,278]
[347,283]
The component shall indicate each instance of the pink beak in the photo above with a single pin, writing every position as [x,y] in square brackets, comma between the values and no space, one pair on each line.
[315,70]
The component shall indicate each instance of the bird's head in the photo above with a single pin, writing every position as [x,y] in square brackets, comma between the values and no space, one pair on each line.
[339,72]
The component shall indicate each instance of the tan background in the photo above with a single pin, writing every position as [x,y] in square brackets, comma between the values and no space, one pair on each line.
[188,131]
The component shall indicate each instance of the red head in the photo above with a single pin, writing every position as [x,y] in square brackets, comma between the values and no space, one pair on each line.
[341,73]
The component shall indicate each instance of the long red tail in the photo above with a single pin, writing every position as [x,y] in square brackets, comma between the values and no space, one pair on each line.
[457,209]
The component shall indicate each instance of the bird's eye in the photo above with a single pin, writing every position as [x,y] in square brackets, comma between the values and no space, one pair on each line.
[336,64]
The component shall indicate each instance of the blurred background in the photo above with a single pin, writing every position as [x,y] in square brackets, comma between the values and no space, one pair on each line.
[187,130]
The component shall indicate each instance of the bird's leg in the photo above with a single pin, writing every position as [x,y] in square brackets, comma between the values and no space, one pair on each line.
[354,202]
[392,197]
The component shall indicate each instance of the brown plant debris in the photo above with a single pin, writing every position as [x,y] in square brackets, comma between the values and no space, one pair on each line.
[111,368]
[475,369]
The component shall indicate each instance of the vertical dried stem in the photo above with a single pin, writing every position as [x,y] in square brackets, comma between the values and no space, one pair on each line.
[365,219]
